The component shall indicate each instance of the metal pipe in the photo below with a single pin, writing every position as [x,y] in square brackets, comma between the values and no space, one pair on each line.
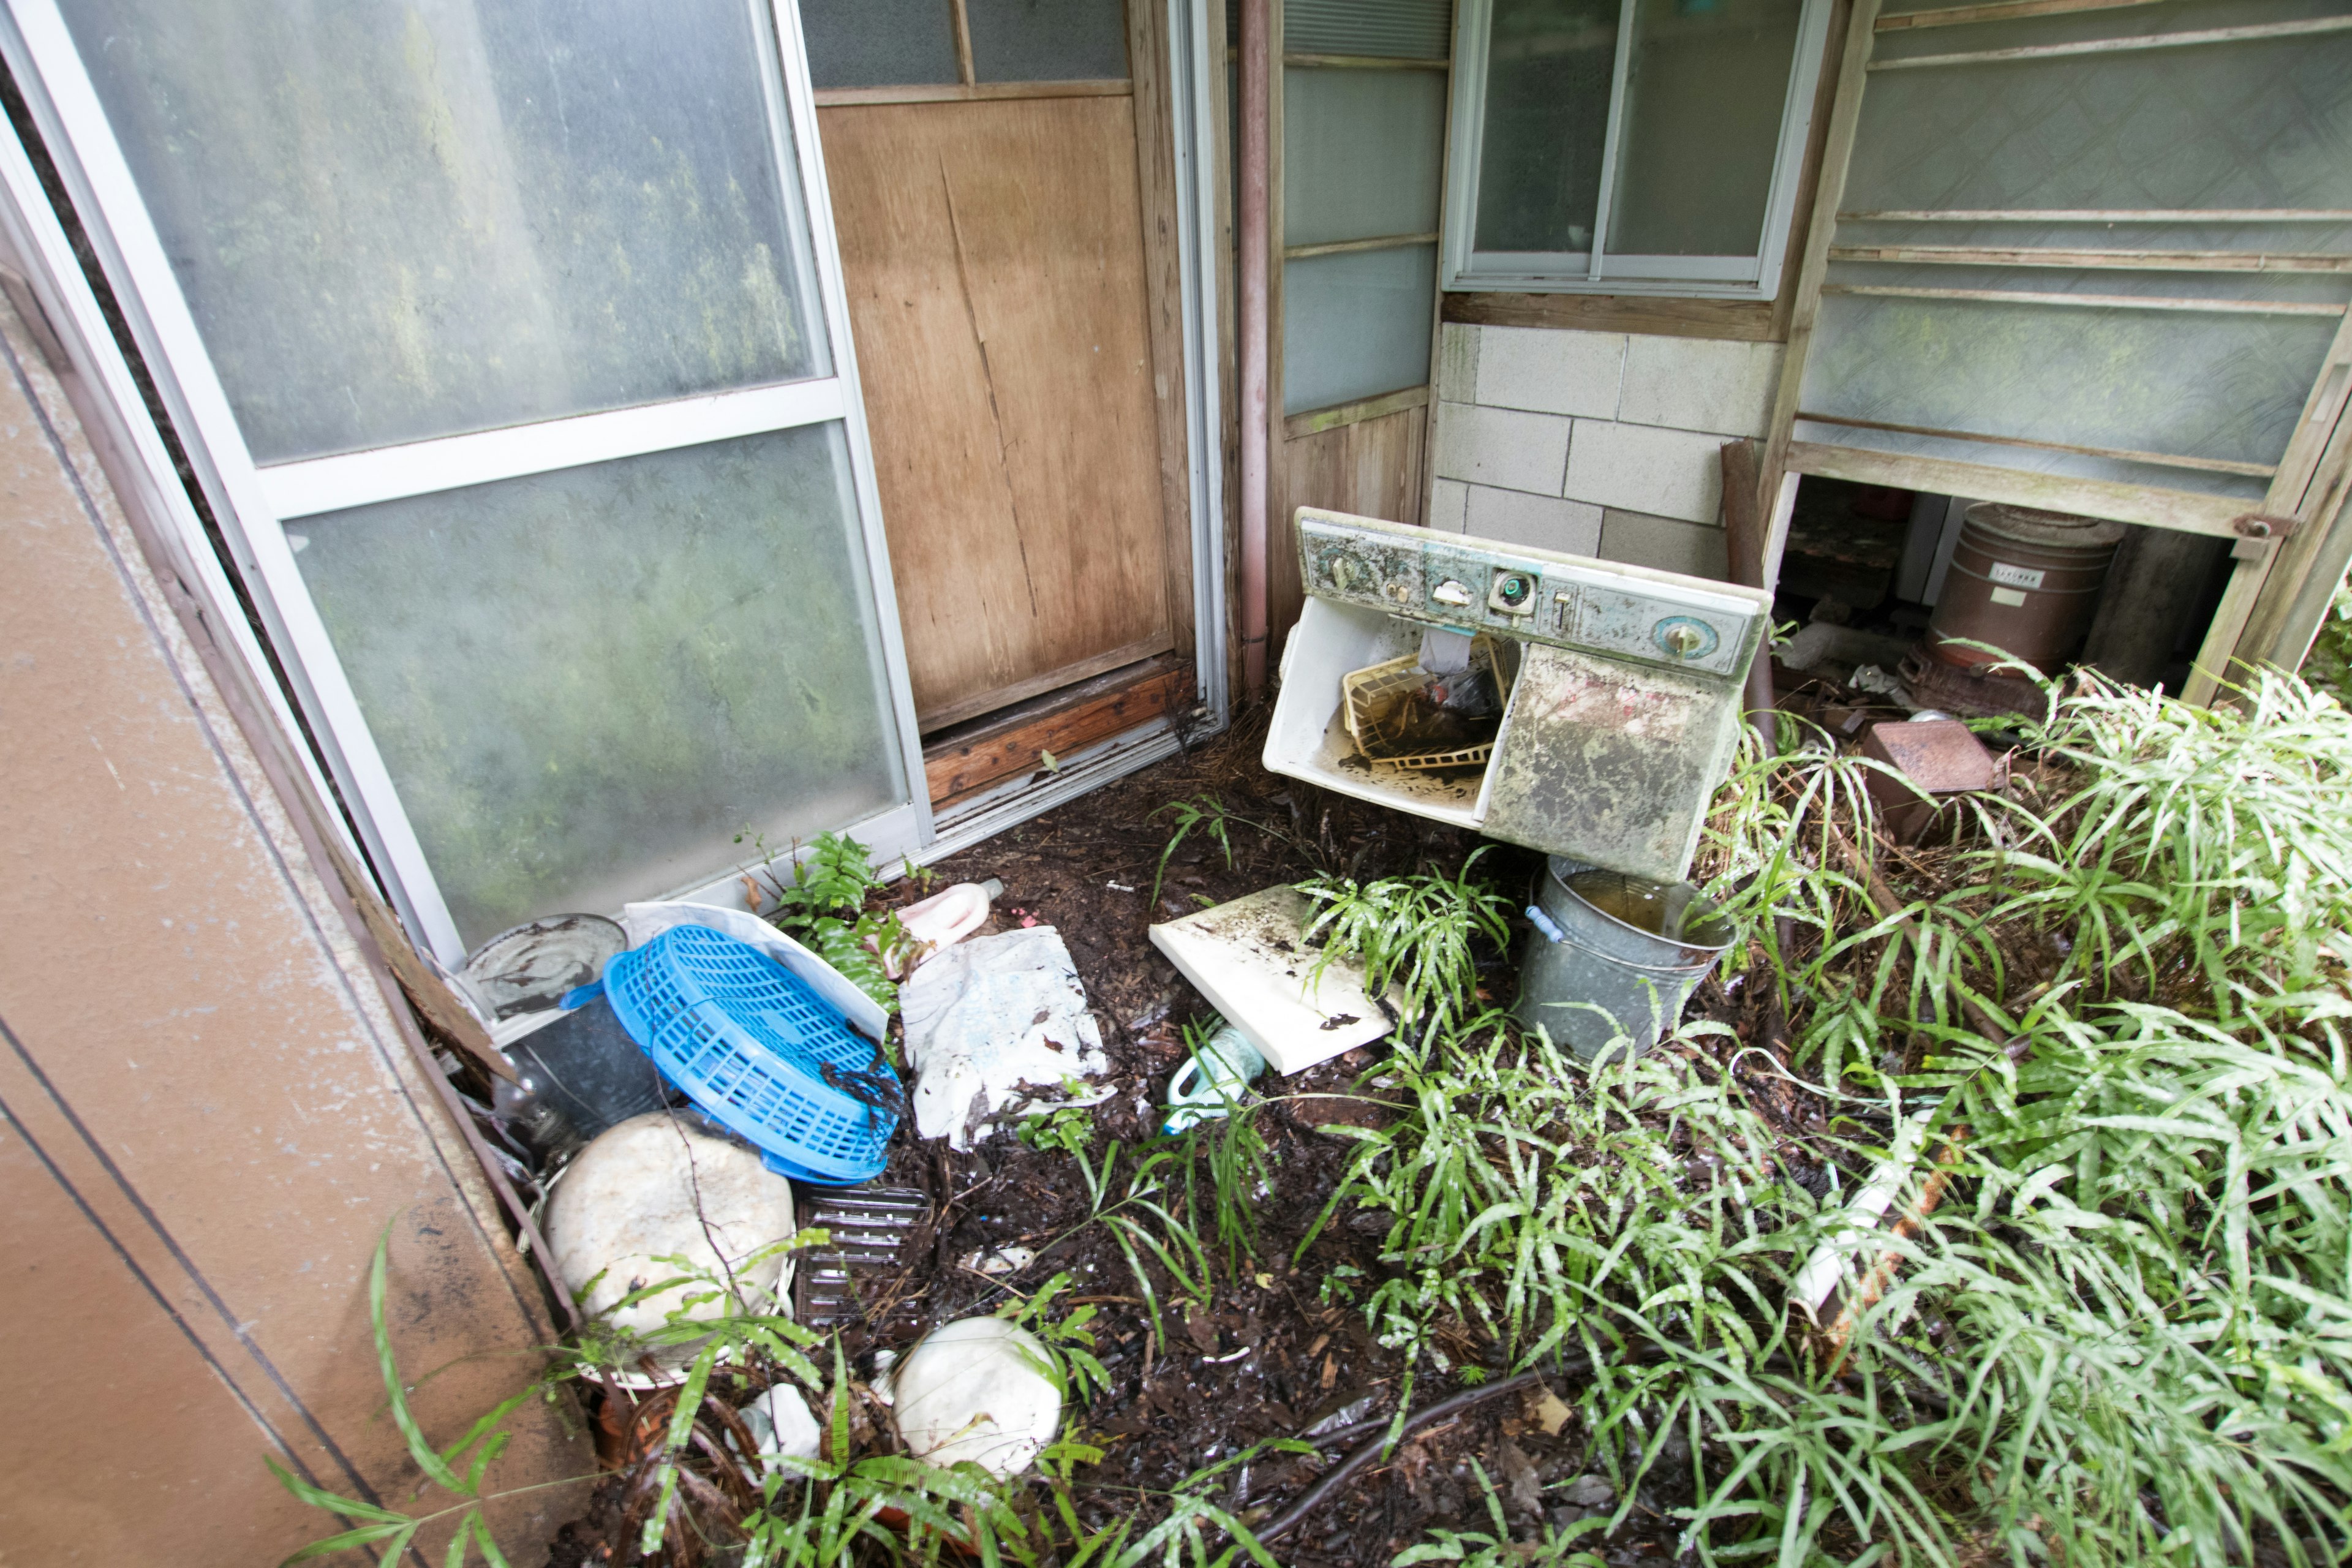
[1256,109]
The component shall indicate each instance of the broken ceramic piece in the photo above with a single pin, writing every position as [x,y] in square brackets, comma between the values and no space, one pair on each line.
[658,1186]
[1251,959]
[996,1027]
[979,1389]
[779,1421]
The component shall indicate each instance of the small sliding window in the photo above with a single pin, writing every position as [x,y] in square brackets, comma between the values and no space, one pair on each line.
[901,51]
[1364,134]
[1629,146]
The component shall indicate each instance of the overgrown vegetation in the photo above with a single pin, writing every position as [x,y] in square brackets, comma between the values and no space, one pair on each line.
[2089,1045]
[825,907]
[2112,1017]
[1414,932]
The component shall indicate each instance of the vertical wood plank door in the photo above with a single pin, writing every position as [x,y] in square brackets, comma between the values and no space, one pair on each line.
[994,257]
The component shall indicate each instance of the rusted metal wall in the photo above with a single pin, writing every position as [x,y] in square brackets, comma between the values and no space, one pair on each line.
[207,1109]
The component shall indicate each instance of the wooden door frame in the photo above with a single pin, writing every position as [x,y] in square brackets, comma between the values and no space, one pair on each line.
[1003,768]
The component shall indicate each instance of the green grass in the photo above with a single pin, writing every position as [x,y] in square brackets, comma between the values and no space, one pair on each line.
[1416,932]
[2126,1335]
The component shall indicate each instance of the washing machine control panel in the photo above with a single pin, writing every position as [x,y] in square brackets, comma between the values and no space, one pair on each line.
[1472,585]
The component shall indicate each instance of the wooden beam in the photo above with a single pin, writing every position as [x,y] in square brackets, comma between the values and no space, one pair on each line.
[2103,260]
[1356,413]
[2134,44]
[968,92]
[1837,155]
[2120,454]
[2103,215]
[1366,62]
[2094,301]
[961,13]
[1342,246]
[2310,486]
[2182,510]
[1729,321]
[1057,725]
[1164,285]
[2003,11]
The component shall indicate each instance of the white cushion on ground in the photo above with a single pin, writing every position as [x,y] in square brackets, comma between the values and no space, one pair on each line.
[977,1389]
[655,1187]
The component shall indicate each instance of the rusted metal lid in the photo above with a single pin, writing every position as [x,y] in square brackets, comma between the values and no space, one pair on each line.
[2030,525]
[531,965]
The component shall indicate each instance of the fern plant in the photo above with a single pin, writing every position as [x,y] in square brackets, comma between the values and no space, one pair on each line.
[825,907]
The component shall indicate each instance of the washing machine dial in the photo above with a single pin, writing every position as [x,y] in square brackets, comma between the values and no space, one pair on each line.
[1685,637]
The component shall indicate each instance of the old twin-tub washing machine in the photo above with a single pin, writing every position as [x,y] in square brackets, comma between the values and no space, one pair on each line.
[1607,702]
[1625,687]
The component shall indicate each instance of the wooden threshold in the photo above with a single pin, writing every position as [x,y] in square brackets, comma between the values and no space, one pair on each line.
[970,92]
[962,762]
[937,720]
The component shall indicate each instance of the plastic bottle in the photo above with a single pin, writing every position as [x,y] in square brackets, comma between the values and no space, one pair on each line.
[944,918]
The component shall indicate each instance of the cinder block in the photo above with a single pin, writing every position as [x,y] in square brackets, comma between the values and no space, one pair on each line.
[1447,501]
[1514,518]
[1667,473]
[1691,548]
[1551,371]
[1501,446]
[1693,383]
[1457,362]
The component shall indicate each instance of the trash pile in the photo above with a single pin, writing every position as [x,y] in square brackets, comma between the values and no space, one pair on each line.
[1433,709]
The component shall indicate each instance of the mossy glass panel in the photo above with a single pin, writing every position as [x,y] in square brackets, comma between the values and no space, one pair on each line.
[397,222]
[587,683]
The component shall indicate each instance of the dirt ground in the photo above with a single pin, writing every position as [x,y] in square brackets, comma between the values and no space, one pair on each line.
[1271,1359]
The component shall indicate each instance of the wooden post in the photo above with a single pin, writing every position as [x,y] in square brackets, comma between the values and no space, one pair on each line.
[1837,152]
[1254,246]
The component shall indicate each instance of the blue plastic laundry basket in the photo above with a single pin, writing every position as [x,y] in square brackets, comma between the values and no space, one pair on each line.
[749,1042]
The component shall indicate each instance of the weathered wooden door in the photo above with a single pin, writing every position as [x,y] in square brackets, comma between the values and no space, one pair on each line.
[990,199]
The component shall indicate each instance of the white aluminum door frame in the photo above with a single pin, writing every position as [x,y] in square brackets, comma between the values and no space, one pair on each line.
[252,504]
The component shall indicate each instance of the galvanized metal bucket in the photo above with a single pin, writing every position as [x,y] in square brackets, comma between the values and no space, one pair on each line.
[1601,983]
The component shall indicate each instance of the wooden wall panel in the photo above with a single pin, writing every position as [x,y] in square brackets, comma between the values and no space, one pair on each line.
[1373,467]
[993,253]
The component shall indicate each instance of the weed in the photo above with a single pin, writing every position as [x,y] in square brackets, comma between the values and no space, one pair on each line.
[1205,812]
[824,906]
[1070,1129]
[1414,932]
[457,1470]
[2118,1010]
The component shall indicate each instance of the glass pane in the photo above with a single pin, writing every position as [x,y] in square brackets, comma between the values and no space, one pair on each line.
[879,43]
[1361,153]
[1549,64]
[1048,40]
[2183,383]
[1381,29]
[1356,325]
[2255,124]
[1706,84]
[587,683]
[393,223]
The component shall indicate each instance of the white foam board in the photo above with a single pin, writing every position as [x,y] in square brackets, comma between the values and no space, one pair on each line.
[1246,957]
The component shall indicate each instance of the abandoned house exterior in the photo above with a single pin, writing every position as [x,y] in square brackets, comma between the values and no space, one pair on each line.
[476,459]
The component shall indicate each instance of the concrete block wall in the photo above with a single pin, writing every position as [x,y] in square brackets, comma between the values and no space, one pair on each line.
[1602,444]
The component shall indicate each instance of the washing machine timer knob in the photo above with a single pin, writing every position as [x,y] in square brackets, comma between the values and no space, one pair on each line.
[1686,636]
[1450,592]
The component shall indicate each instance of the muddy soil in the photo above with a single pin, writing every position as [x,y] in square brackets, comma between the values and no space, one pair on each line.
[1272,1357]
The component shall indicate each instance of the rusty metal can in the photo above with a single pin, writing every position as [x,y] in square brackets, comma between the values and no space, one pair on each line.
[2023,581]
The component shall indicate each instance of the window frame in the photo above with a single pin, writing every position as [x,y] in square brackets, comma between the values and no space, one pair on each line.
[253,502]
[1461,267]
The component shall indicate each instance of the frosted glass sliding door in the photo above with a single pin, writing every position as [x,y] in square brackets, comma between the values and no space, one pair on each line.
[508,335]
